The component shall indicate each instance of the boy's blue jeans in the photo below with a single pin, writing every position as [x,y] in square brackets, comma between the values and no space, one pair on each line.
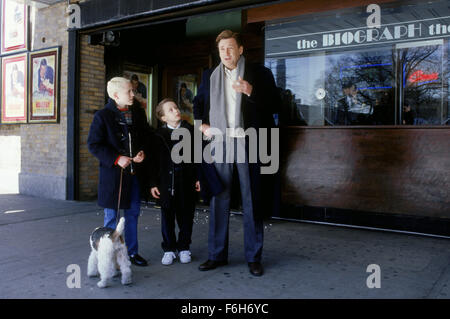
[131,218]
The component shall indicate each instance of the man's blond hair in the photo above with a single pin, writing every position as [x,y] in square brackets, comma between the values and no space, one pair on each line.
[228,34]
[115,84]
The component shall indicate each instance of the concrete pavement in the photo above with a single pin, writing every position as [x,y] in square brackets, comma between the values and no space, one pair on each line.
[41,238]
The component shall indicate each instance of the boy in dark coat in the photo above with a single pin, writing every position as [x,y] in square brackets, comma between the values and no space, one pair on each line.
[174,182]
[109,142]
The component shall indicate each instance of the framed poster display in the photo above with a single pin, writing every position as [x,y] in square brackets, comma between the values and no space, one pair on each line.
[44,86]
[141,81]
[14,89]
[14,36]
[140,84]
[185,89]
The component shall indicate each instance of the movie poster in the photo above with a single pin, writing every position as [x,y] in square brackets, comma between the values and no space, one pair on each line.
[14,26]
[44,86]
[14,89]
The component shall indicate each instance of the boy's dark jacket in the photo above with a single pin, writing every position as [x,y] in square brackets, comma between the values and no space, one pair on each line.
[108,139]
[162,168]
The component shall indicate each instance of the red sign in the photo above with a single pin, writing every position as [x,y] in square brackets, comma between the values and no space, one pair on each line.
[420,76]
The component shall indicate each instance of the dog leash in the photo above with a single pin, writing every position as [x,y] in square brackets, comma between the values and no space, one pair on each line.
[120,195]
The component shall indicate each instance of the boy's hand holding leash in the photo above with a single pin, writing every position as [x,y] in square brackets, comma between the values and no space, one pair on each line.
[125,161]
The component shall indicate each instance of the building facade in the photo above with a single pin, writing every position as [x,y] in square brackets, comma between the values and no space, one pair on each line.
[364,118]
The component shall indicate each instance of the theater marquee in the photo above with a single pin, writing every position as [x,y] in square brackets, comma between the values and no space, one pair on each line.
[291,40]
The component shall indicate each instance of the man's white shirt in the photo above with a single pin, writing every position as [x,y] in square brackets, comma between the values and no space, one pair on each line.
[231,77]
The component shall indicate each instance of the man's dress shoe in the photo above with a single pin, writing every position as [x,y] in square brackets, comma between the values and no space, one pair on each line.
[255,268]
[211,264]
[138,260]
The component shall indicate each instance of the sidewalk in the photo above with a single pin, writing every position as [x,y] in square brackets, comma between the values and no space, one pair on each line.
[41,237]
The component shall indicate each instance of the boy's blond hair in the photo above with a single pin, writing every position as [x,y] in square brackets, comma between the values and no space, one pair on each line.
[115,84]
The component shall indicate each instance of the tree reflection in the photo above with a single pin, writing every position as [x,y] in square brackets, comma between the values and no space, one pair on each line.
[372,73]
[422,82]
[387,79]
[419,79]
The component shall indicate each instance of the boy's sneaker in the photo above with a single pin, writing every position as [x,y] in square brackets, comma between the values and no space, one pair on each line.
[168,258]
[185,256]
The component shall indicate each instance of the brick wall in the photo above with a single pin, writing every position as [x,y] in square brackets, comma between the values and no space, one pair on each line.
[43,146]
[92,98]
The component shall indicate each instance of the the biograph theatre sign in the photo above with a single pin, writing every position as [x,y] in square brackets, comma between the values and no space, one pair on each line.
[288,39]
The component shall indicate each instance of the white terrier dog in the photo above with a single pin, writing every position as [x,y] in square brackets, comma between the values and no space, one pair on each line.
[108,254]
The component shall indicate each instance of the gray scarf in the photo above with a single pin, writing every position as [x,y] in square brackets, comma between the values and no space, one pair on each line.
[218,108]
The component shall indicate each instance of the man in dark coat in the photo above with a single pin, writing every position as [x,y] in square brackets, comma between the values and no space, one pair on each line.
[121,161]
[234,97]
[351,110]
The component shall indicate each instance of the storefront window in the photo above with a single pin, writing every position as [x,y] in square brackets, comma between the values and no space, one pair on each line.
[447,85]
[333,70]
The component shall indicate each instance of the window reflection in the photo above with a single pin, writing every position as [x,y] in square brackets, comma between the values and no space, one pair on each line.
[399,84]
[446,110]
[422,83]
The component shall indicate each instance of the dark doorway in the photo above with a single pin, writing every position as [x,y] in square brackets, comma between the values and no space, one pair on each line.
[170,62]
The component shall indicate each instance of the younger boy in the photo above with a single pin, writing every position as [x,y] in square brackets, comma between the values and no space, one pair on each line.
[174,184]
